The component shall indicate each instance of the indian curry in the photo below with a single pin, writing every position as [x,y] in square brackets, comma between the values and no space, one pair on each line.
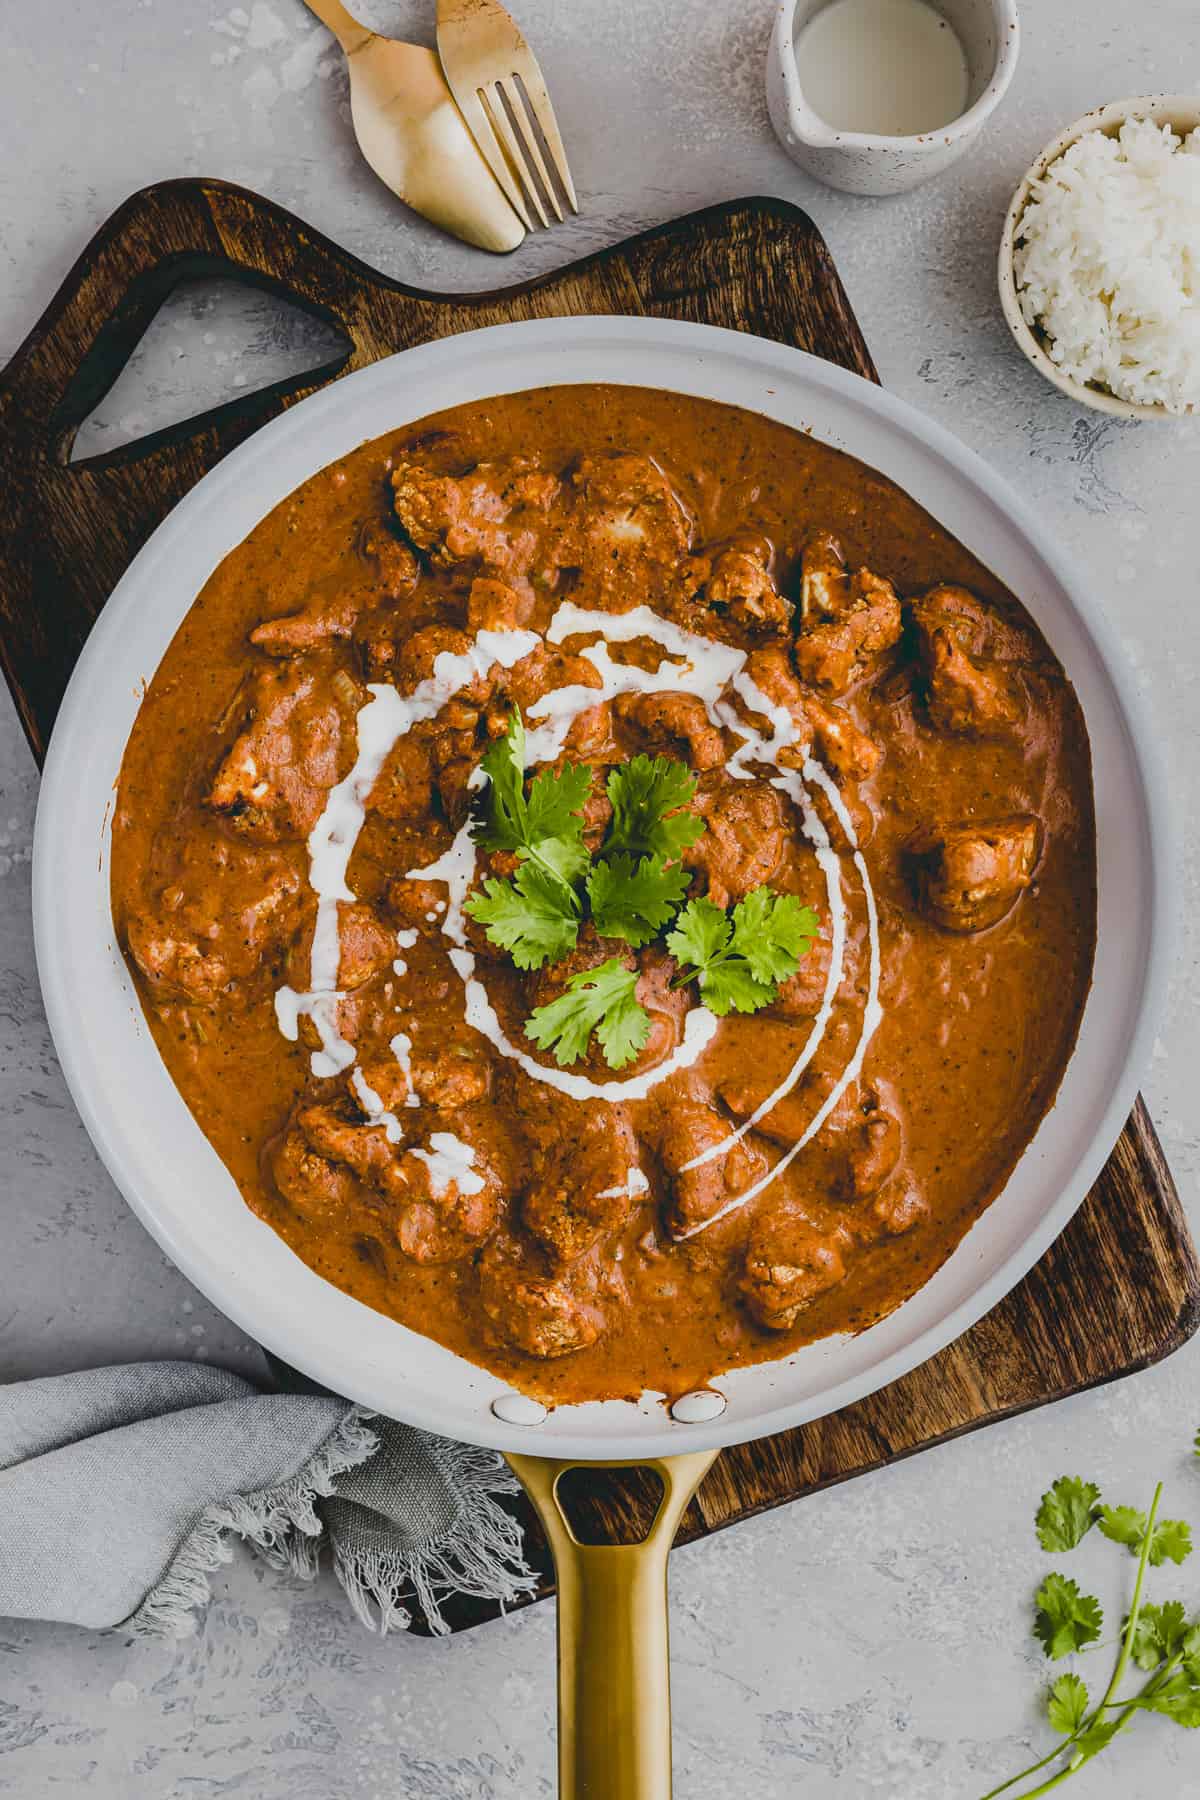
[615,882]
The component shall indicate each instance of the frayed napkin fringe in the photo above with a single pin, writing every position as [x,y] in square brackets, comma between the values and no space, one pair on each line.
[280,1522]
[483,1555]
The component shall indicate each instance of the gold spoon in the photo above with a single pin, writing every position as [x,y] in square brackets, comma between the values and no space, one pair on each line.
[412,134]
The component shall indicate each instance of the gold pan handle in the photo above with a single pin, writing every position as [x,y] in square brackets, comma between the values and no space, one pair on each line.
[614,1688]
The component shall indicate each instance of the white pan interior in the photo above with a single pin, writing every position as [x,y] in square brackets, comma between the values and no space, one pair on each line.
[145,1134]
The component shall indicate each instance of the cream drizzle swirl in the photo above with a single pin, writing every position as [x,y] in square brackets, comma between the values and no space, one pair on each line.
[694,665]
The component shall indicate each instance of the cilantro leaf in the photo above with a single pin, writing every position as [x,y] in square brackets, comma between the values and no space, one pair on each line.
[1066,1620]
[1171,1539]
[545,827]
[602,1000]
[1067,1513]
[623,1031]
[647,796]
[702,933]
[1178,1699]
[1159,1633]
[772,932]
[564,857]
[1157,1638]
[533,916]
[634,900]
[738,961]
[556,800]
[1099,1734]
[732,986]
[500,816]
[1067,1704]
[1123,1525]
[703,937]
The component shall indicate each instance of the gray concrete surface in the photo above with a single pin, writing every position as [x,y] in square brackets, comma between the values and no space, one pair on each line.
[873,1641]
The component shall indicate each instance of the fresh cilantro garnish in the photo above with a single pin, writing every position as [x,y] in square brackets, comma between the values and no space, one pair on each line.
[648,796]
[602,1000]
[773,932]
[1067,1513]
[554,820]
[535,917]
[501,819]
[532,916]
[1066,1620]
[703,938]
[545,827]
[633,890]
[638,883]
[739,959]
[634,899]
[1156,1637]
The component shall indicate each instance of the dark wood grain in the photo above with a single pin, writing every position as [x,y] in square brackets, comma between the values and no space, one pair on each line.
[71,529]
[1119,1289]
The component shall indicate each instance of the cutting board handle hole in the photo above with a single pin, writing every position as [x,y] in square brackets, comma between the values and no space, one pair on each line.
[166,363]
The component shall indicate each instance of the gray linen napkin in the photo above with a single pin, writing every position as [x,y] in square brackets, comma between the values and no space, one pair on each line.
[121,1488]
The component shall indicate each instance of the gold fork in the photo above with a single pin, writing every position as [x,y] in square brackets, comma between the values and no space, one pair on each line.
[501,93]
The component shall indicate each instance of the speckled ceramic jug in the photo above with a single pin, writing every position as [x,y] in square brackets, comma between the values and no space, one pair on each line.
[863,163]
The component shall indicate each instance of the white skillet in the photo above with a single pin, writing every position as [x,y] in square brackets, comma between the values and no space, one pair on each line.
[144,1132]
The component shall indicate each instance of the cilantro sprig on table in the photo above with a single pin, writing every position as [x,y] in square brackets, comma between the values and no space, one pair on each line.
[632,890]
[1156,1637]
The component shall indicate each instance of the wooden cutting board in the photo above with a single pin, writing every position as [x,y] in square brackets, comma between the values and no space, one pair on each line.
[1120,1288]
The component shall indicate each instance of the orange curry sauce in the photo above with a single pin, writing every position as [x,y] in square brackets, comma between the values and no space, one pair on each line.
[917,682]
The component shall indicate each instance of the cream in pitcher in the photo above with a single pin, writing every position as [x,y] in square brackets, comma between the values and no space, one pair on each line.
[895,67]
[875,96]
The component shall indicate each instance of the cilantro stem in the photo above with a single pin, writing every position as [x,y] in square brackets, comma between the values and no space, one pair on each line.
[1044,1787]
[1136,1607]
[1126,1707]
[1024,1774]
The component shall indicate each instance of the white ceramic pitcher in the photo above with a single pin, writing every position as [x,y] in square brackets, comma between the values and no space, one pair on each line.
[863,163]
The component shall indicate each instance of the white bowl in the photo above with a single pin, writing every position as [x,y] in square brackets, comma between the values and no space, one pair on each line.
[1182,113]
[160,1159]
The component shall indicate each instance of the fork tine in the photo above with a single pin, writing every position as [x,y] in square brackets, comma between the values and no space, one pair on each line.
[480,126]
[523,122]
[539,102]
[494,106]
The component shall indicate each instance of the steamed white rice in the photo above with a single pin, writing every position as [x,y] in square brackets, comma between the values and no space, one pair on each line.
[1107,263]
